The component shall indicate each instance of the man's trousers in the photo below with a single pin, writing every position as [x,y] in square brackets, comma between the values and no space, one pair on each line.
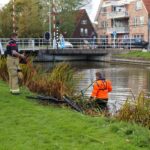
[12,65]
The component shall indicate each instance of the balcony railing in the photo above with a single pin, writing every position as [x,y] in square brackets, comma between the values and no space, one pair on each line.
[118,30]
[120,14]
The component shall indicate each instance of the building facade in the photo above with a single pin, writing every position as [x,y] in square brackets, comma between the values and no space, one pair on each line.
[123,19]
[83,25]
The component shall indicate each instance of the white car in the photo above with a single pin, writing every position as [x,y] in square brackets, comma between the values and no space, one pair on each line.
[66,45]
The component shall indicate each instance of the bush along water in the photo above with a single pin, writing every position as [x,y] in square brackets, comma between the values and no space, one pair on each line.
[137,110]
[61,81]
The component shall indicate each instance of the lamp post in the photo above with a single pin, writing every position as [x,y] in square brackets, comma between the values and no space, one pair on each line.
[14,17]
[54,24]
[149,34]
[50,27]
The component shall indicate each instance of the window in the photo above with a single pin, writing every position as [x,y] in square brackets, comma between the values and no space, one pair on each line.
[84,22]
[86,31]
[135,21]
[138,5]
[126,36]
[103,10]
[138,36]
[138,21]
[81,31]
[104,24]
[141,20]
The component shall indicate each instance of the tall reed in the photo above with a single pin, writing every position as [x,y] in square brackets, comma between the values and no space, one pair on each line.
[59,82]
[136,111]
[3,69]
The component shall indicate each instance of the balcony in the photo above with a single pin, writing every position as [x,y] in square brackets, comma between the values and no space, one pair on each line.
[118,14]
[118,30]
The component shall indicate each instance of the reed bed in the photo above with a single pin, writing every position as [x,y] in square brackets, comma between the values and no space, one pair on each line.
[137,110]
[3,69]
[57,83]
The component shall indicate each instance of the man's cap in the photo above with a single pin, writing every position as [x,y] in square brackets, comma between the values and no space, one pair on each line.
[100,76]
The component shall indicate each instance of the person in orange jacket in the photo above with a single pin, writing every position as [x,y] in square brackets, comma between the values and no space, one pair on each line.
[100,91]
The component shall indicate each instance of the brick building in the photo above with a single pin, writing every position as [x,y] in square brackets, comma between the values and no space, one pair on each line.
[123,19]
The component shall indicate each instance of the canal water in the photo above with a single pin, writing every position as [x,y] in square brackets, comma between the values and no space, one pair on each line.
[127,80]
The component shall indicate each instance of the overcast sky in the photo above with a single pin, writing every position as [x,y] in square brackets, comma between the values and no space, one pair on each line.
[91,9]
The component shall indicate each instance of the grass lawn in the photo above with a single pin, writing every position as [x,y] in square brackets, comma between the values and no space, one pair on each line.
[28,125]
[136,55]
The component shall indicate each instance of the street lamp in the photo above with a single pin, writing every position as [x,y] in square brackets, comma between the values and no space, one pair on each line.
[50,27]
[14,17]
[149,35]
[54,24]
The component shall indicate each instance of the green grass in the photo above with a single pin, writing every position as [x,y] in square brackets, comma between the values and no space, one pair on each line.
[136,55]
[28,125]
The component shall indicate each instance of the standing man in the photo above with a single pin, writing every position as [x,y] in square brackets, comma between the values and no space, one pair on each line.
[101,88]
[13,64]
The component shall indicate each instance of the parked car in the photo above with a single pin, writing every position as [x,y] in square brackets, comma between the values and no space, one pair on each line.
[134,43]
[66,45]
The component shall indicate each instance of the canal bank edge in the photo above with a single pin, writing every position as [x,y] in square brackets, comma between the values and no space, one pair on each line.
[131,60]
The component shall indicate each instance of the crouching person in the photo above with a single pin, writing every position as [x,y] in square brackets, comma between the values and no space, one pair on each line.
[101,88]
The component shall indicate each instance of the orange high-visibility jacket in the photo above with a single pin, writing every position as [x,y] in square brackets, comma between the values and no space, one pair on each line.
[101,89]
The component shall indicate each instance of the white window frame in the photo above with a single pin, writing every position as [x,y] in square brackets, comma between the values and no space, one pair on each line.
[84,22]
[81,31]
[138,5]
[141,20]
[135,21]
[85,31]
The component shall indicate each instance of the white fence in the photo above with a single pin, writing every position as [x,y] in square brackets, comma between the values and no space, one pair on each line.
[76,43]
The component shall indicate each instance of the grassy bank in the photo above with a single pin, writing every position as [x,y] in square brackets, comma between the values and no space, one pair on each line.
[27,125]
[135,55]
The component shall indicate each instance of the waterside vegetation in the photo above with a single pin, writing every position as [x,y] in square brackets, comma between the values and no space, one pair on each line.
[61,81]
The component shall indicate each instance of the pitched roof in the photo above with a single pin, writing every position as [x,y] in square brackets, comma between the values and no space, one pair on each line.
[147,5]
[79,14]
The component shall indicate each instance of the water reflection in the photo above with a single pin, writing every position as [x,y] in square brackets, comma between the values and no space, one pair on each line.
[127,80]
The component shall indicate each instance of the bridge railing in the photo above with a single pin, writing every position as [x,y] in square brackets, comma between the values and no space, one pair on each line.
[76,43]
[28,43]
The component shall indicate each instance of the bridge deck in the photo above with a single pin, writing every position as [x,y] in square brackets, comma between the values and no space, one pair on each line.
[76,51]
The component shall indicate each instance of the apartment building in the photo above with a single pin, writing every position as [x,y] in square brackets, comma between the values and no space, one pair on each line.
[123,19]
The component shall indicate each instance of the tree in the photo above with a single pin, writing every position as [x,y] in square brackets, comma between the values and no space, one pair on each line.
[30,22]
[32,16]
[5,22]
[66,14]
